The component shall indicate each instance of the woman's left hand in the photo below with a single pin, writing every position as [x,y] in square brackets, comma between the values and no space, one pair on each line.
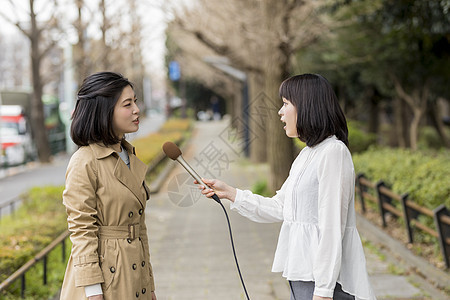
[153,296]
[321,298]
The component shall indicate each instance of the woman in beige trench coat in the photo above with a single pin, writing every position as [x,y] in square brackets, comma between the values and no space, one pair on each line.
[105,197]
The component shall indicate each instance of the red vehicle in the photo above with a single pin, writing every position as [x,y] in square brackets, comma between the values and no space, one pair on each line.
[15,136]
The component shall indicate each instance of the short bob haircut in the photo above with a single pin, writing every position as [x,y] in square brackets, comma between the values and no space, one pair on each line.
[318,112]
[92,119]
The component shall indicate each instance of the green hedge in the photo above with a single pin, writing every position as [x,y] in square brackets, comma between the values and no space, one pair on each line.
[35,289]
[358,139]
[147,148]
[37,222]
[424,175]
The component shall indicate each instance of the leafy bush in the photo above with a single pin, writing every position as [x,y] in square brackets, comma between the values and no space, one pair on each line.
[34,277]
[358,139]
[423,175]
[429,138]
[179,125]
[37,222]
[149,147]
[261,188]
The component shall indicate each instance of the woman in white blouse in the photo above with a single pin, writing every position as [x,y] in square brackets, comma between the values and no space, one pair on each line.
[319,250]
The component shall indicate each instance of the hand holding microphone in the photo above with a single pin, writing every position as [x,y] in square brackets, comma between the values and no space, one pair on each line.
[220,188]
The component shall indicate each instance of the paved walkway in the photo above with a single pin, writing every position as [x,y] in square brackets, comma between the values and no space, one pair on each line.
[189,241]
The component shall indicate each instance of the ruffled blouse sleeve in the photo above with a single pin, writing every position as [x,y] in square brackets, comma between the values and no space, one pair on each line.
[258,208]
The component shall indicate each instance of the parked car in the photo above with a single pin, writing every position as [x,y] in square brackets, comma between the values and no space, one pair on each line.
[15,136]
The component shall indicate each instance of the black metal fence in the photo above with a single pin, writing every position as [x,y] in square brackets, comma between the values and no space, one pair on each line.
[41,256]
[388,202]
[11,204]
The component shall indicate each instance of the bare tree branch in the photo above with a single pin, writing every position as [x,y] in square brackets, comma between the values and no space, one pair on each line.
[401,92]
[12,22]
[219,49]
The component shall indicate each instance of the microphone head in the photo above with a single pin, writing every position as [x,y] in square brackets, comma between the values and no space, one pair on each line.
[171,150]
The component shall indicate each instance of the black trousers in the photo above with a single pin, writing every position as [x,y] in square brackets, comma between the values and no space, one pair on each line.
[303,290]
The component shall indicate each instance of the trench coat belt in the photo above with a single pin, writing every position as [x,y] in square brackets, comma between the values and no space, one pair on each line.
[130,231]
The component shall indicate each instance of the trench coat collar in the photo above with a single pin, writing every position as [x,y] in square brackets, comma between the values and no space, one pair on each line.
[133,177]
[102,151]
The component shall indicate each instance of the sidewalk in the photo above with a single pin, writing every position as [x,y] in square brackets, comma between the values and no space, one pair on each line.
[189,241]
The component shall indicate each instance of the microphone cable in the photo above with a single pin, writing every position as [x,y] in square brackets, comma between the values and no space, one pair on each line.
[216,198]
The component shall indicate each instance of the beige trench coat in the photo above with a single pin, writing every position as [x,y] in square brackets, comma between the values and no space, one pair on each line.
[105,204]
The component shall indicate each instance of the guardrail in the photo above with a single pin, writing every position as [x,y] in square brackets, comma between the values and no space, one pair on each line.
[410,212]
[20,273]
[12,205]
[57,142]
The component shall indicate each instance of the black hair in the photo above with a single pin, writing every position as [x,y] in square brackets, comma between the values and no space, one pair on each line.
[318,112]
[92,119]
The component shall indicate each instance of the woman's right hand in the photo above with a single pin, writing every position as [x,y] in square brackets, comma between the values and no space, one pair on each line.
[220,188]
[96,297]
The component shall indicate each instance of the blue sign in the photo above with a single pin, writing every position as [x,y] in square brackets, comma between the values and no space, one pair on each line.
[174,71]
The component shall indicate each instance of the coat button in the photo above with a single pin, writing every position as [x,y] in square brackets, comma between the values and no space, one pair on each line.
[141,211]
[134,266]
[143,291]
[137,294]
[129,240]
[112,269]
[130,214]
[143,263]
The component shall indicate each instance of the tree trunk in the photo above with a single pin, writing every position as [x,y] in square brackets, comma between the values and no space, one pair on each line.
[374,113]
[405,121]
[236,101]
[137,71]
[104,60]
[280,147]
[436,119]
[417,101]
[230,103]
[414,128]
[81,63]
[37,107]
[257,111]
[400,136]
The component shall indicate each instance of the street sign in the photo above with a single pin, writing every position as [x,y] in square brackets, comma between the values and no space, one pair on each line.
[174,71]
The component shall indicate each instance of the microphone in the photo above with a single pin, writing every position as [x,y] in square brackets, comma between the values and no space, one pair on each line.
[174,153]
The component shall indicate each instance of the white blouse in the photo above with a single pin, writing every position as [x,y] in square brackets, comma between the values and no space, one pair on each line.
[318,239]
